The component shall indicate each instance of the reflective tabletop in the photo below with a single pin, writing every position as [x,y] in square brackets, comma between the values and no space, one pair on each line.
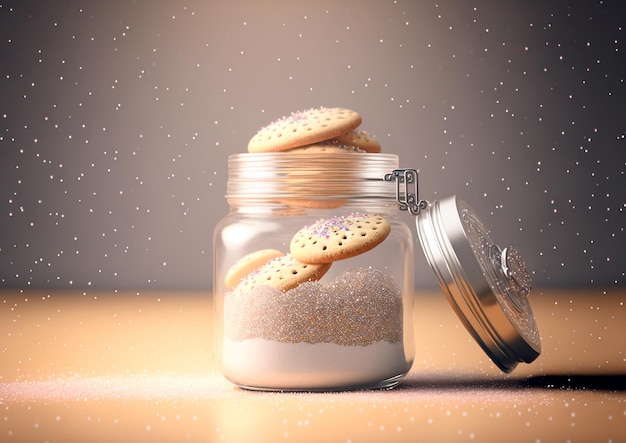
[124,366]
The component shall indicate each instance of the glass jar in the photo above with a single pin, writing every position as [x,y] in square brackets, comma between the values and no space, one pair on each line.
[352,328]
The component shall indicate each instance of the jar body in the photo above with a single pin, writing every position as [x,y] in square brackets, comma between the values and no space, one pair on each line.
[351,329]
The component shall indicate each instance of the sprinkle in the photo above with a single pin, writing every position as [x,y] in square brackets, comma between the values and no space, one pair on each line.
[358,308]
[324,227]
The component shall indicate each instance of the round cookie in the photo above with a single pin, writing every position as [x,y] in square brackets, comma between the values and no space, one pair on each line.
[338,238]
[318,203]
[359,139]
[304,128]
[325,148]
[283,273]
[311,203]
[247,264]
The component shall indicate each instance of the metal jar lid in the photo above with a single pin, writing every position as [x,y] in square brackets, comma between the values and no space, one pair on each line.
[487,286]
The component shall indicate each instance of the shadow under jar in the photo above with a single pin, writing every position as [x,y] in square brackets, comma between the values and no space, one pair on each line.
[352,328]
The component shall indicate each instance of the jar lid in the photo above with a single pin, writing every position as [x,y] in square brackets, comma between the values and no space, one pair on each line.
[487,286]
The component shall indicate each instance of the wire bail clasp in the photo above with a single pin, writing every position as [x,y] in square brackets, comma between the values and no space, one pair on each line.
[407,195]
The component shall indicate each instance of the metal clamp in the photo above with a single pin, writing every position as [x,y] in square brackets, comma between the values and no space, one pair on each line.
[407,197]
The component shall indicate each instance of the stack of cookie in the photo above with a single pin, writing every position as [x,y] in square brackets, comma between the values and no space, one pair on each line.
[315,130]
[313,249]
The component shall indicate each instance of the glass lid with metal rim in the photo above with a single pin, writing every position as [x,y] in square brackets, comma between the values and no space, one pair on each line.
[486,285]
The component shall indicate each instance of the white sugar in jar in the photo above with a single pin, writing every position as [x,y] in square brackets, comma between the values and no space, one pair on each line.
[350,328]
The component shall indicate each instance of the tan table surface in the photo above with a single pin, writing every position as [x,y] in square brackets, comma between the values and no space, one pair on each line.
[138,366]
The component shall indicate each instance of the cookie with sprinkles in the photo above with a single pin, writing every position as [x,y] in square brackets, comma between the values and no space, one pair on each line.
[314,203]
[325,148]
[247,264]
[304,128]
[338,238]
[283,273]
[359,139]
[299,182]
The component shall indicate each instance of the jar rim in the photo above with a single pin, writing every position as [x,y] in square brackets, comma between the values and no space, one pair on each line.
[309,175]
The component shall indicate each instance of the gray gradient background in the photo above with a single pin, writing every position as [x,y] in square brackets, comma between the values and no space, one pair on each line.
[116,120]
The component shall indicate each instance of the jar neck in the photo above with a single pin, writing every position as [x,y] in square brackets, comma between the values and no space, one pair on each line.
[262,208]
[259,179]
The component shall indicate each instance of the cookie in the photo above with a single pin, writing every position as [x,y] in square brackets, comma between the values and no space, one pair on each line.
[288,211]
[322,198]
[325,148]
[359,139]
[338,238]
[304,128]
[247,264]
[313,203]
[283,273]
